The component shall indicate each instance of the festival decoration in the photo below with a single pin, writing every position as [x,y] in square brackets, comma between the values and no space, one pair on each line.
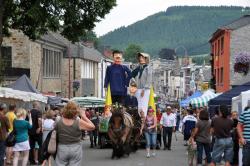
[242,63]
[151,102]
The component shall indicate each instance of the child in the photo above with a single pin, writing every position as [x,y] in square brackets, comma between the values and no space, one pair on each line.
[192,150]
[130,99]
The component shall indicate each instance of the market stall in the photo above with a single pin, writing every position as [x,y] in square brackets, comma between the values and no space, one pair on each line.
[226,97]
[203,100]
[185,102]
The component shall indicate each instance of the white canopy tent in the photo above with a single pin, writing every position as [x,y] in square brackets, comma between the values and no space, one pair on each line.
[241,101]
[11,94]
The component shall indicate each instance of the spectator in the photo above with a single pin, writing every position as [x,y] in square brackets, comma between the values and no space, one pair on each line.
[4,124]
[48,124]
[69,149]
[11,117]
[192,150]
[22,139]
[168,123]
[189,123]
[221,128]
[244,135]
[36,133]
[202,137]
[150,125]
[178,119]
[158,116]
[234,117]
[4,107]
[93,134]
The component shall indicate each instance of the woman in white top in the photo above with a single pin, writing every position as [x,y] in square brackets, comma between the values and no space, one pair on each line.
[48,124]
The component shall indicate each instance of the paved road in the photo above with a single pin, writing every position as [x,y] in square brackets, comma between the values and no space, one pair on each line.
[102,157]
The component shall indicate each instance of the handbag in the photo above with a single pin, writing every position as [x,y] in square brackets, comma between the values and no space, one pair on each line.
[11,138]
[52,146]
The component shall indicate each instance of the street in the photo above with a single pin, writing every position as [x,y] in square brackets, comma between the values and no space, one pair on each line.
[102,157]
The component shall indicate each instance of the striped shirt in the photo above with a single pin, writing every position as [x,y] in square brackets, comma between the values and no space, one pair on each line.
[245,120]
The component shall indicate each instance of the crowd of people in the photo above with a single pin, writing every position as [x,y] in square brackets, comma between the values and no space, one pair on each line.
[213,139]
[208,139]
[31,128]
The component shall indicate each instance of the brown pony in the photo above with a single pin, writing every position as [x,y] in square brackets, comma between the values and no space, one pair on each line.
[120,129]
[137,121]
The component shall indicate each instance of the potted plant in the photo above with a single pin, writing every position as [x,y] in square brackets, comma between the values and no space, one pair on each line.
[242,63]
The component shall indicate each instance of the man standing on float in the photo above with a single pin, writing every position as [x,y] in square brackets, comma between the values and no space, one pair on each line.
[118,77]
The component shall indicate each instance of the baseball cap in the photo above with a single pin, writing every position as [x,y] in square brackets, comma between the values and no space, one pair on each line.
[150,110]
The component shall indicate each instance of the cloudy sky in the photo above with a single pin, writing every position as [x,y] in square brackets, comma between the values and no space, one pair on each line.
[129,11]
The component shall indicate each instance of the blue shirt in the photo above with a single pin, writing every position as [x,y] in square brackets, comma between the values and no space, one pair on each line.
[22,127]
[245,120]
[118,76]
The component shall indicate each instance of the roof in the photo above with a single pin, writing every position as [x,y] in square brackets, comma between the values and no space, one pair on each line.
[77,50]
[48,37]
[240,22]
[93,54]
[236,24]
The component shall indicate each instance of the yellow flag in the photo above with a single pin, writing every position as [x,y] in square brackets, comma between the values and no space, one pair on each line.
[108,97]
[151,102]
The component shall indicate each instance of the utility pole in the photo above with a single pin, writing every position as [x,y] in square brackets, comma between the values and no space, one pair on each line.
[69,96]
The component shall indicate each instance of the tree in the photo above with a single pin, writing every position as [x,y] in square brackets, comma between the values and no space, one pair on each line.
[167,54]
[90,36]
[71,18]
[131,52]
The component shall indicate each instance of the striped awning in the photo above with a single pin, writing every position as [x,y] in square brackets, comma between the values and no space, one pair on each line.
[203,100]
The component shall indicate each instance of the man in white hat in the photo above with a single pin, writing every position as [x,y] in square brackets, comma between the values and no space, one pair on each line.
[168,123]
[143,78]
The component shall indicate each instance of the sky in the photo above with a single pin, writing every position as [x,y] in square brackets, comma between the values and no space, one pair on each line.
[130,11]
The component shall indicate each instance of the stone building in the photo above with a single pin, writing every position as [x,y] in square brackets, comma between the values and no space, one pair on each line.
[52,63]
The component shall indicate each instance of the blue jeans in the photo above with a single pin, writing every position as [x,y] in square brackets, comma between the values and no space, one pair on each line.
[207,149]
[2,152]
[223,145]
[150,139]
[246,154]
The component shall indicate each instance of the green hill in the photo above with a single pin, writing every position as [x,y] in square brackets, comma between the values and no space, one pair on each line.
[186,26]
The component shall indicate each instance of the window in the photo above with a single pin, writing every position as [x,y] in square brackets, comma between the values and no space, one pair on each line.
[6,56]
[218,76]
[51,63]
[215,49]
[222,44]
[218,49]
[221,75]
[87,69]
[215,76]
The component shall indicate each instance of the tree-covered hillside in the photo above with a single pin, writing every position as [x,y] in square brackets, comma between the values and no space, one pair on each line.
[186,26]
